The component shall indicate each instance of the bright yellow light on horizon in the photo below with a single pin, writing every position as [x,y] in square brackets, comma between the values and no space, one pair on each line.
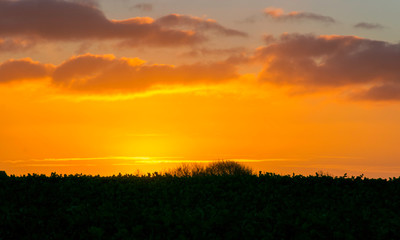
[203,125]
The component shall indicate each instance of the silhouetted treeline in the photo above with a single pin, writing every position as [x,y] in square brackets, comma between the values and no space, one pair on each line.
[211,205]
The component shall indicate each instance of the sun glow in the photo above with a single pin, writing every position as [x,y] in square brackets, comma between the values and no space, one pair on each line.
[141,87]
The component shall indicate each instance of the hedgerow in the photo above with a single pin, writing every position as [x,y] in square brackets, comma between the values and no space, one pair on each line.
[198,206]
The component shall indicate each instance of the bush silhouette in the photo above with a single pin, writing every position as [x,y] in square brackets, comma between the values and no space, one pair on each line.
[226,167]
[219,168]
[184,170]
[266,206]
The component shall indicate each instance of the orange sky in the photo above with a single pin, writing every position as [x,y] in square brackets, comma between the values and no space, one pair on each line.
[86,87]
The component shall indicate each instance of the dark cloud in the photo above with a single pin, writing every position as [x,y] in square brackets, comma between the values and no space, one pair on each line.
[368,26]
[279,15]
[319,62]
[145,7]
[78,20]
[384,92]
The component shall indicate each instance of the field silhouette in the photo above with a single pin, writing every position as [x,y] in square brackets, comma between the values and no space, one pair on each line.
[224,200]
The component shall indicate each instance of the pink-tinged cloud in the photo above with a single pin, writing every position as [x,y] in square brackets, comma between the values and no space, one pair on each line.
[278,14]
[107,74]
[74,20]
[23,69]
[319,62]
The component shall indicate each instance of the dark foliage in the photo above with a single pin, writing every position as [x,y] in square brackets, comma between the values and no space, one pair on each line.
[227,168]
[218,168]
[213,206]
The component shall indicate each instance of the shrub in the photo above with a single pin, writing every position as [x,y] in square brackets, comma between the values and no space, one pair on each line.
[226,167]
[218,168]
[184,170]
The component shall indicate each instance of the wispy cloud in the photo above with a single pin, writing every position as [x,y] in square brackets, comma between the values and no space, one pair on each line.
[265,160]
[175,20]
[86,160]
[126,160]
[198,52]
[145,7]
[278,14]
[368,26]
[99,158]
[16,44]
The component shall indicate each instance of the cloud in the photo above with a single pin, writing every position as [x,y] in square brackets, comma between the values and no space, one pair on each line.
[145,7]
[15,44]
[268,38]
[279,15]
[23,69]
[91,3]
[368,26]
[82,20]
[198,52]
[384,92]
[320,62]
[107,74]
[177,20]
[249,20]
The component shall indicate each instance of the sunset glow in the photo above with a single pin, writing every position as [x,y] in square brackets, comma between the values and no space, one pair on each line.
[107,87]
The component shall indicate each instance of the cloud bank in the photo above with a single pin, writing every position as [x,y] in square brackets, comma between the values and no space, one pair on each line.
[106,74]
[278,14]
[78,20]
[320,62]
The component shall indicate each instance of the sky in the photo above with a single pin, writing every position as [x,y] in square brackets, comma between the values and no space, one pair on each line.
[107,87]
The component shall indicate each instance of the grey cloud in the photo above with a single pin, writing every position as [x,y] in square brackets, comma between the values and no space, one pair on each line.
[72,20]
[145,7]
[368,26]
[322,62]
